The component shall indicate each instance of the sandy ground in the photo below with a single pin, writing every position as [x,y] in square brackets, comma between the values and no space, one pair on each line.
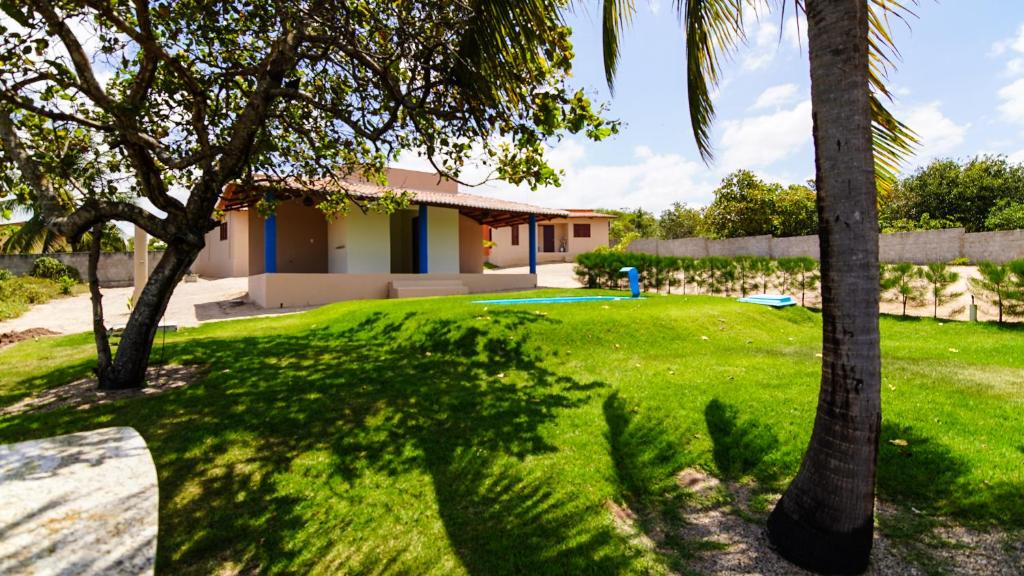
[191,304]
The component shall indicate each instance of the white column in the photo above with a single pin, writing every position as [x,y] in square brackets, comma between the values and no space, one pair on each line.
[141,260]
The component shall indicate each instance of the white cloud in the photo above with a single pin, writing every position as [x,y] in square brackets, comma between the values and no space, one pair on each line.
[763,140]
[1015,44]
[649,179]
[1012,106]
[776,96]
[1016,157]
[938,134]
[794,31]
[763,39]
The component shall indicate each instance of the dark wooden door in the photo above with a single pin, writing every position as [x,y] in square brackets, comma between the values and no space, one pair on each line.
[547,238]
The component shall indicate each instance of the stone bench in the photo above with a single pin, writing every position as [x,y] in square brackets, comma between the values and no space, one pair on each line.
[83,503]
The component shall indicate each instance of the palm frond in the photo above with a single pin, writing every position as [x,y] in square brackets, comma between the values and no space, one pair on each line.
[616,14]
[713,28]
[894,142]
[33,237]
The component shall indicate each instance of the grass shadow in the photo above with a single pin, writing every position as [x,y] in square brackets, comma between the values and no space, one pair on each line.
[500,520]
[921,472]
[274,462]
[647,457]
[741,447]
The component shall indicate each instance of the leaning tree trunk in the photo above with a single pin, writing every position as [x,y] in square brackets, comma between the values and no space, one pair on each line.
[824,521]
[129,367]
[99,328]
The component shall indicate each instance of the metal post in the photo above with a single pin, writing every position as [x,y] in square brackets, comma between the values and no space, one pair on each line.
[270,244]
[533,243]
[141,268]
[421,229]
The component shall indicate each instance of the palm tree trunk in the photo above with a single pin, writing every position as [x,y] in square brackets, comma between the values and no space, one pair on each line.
[824,521]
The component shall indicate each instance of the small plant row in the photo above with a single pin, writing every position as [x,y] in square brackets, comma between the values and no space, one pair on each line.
[1001,285]
[741,275]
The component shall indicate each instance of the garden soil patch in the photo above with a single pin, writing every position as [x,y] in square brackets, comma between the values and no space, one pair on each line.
[8,338]
[82,394]
[736,543]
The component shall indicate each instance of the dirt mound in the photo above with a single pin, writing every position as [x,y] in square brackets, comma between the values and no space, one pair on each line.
[8,338]
[83,394]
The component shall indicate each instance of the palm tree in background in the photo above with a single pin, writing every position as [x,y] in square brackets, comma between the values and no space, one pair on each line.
[824,521]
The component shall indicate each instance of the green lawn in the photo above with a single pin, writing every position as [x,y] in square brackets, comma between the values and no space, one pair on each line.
[439,436]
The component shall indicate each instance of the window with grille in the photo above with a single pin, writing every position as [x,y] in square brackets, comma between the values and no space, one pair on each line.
[581,230]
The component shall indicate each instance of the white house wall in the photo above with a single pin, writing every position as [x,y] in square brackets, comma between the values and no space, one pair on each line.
[337,249]
[229,257]
[442,240]
[367,242]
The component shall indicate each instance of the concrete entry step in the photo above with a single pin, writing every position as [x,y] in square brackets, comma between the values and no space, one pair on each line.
[420,288]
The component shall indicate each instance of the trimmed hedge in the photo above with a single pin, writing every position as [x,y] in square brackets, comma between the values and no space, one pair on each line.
[713,275]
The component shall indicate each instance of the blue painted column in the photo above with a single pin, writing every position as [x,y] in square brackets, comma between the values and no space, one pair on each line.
[270,244]
[421,229]
[533,243]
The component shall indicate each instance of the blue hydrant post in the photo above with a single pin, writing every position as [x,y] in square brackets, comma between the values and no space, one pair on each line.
[634,280]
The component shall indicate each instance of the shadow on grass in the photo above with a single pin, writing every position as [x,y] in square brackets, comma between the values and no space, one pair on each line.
[927,475]
[741,447]
[304,451]
[647,457]
[502,521]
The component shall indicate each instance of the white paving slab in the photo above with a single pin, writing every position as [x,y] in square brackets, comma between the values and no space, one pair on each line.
[83,503]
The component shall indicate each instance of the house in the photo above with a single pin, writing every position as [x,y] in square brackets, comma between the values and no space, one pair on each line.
[560,239]
[297,257]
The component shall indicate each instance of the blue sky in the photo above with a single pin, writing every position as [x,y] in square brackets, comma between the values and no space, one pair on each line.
[960,84]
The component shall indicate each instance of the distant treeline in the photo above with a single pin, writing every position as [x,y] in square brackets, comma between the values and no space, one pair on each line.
[983,194]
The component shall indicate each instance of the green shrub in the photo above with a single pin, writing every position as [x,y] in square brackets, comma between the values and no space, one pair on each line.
[53,269]
[18,293]
[5,274]
[904,280]
[960,262]
[997,285]
[66,284]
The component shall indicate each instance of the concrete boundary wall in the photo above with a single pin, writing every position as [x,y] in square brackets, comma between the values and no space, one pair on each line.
[115,268]
[917,247]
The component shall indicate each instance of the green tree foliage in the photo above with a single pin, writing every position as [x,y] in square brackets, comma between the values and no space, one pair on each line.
[939,279]
[948,194]
[743,206]
[203,94]
[680,221]
[795,212]
[903,279]
[631,224]
[746,205]
[1006,215]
